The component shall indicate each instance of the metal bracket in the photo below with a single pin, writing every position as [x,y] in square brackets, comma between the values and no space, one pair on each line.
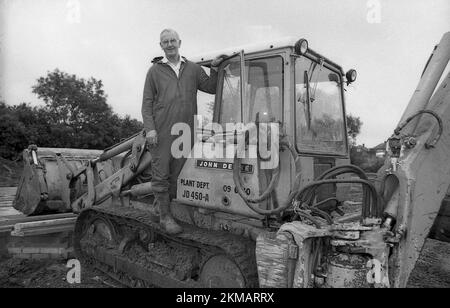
[137,149]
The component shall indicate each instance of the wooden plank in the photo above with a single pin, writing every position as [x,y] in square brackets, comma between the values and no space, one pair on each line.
[44,223]
[43,230]
[7,196]
[6,228]
[23,218]
[46,226]
[18,224]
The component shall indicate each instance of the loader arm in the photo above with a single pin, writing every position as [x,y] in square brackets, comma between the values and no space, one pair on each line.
[111,187]
[63,180]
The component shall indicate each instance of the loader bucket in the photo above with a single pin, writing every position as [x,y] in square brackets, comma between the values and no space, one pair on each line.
[45,185]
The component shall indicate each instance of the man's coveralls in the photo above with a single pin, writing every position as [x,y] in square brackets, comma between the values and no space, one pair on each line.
[168,100]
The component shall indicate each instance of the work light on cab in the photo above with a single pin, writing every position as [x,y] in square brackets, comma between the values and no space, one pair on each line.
[301,47]
[351,76]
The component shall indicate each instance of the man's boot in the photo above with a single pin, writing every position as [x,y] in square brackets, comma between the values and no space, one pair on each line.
[166,220]
[153,209]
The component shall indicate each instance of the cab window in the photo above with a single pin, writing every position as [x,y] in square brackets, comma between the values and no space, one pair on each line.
[263,82]
[205,103]
[319,113]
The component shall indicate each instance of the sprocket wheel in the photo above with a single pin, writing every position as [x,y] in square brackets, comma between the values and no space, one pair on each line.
[220,271]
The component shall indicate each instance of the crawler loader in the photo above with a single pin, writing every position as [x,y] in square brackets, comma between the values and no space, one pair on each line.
[247,225]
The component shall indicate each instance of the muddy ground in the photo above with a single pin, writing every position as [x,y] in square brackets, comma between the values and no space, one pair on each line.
[22,273]
[431,271]
[433,268]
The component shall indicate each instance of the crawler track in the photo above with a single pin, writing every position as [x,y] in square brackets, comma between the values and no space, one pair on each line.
[138,253]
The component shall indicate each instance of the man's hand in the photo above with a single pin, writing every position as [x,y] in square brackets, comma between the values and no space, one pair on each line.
[217,60]
[152,137]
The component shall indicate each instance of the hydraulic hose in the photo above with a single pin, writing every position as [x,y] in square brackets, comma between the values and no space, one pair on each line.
[333,172]
[370,209]
[435,115]
[309,217]
[371,205]
[252,203]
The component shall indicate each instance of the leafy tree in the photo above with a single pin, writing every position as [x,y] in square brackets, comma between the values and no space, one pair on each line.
[75,106]
[12,133]
[36,121]
[353,128]
[72,100]
[75,115]
[79,113]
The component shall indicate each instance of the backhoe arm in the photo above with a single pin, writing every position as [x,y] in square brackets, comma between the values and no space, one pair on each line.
[416,174]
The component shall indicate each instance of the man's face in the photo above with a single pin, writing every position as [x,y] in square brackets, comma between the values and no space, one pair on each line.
[170,43]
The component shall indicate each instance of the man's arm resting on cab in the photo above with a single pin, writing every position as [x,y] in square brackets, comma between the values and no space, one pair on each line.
[209,84]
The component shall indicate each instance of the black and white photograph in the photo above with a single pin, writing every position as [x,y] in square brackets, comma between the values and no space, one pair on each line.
[224,149]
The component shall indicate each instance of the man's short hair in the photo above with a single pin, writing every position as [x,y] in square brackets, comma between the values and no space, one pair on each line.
[169,31]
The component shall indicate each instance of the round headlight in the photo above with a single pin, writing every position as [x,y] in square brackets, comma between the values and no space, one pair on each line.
[301,47]
[351,75]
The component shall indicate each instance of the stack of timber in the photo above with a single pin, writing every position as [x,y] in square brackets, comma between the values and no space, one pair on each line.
[17,224]
[7,195]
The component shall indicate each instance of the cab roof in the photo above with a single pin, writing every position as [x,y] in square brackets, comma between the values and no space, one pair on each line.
[286,42]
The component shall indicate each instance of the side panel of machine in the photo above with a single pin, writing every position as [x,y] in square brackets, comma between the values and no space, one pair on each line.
[198,184]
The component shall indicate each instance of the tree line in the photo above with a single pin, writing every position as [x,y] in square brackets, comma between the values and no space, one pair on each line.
[75,114]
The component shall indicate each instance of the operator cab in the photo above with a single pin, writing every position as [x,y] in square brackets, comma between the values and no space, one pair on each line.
[276,76]
[282,82]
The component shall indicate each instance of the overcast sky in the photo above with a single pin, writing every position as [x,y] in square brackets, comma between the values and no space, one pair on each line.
[386,41]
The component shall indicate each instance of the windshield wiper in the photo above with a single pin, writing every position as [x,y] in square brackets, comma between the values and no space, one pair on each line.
[310,97]
[307,101]
[313,96]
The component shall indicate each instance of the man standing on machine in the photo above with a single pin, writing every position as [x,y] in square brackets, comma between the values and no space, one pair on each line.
[170,97]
